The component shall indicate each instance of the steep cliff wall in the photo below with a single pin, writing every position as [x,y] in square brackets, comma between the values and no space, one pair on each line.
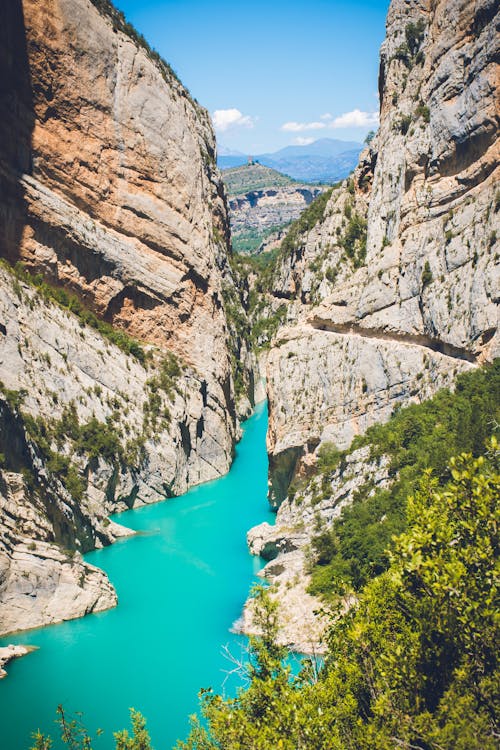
[395,291]
[110,193]
[262,210]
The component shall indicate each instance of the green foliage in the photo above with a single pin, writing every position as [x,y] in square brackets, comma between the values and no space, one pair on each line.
[412,664]
[70,302]
[329,457]
[75,736]
[353,240]
[307,220]
[414,34]
[239,328]
[369,137]
[265,327]
[426,274]
[15,399]
[404,123]
[254,719]
[409,51]
[418,437]
[93,439]
[99,440]
[423,111]
[248,241]
[139,739]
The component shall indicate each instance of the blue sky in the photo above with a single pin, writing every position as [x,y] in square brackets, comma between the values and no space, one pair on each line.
[272,73]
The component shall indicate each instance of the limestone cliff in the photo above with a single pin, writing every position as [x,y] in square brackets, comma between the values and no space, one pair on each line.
[396,289]
[259,212]
[123,393]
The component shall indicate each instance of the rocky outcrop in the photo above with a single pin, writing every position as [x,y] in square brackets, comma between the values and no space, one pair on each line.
[268,208]
[395,290]
[7,653]
[124,393]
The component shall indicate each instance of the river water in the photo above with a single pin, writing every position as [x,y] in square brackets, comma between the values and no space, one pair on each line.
[181,584]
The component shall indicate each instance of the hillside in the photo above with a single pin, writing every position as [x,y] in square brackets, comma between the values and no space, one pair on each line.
[250,177]
[262,204]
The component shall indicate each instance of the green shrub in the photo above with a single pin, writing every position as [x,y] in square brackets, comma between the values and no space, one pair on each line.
[423,111]
[426,274]
[404,124]
[354,239]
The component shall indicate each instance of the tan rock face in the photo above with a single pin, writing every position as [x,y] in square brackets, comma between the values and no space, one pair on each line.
[109,190]
[123,202]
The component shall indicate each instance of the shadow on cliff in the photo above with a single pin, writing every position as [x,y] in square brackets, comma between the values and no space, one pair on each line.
[16,125]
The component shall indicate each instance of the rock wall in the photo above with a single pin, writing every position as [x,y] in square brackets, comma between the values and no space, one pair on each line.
[109,191]
[396,290]
[270,207]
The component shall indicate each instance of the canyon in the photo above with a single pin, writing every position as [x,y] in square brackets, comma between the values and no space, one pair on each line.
[126,361]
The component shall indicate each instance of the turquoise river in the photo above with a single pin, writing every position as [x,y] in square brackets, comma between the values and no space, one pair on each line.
[181,584]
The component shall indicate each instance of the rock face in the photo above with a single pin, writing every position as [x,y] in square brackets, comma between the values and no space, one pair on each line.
[8,653]
[396,289]
[269,208]
[109,192]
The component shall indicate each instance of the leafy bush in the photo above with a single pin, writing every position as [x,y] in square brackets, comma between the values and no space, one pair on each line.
[423,111]
[409,51]
[404,124]
[354,238]
[313,214]
[426,274]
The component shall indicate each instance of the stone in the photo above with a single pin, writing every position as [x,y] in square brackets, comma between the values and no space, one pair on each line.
[7,653]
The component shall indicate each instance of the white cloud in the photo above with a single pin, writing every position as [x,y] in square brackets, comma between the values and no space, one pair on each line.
[224,119]
[355,119]
[301,141]
[299,127]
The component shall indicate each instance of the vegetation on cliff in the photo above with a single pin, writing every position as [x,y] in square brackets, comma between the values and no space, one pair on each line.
[412,664]
[417,438]
[71,302]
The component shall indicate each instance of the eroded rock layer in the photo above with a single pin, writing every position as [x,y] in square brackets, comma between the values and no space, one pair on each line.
[397,288]
[109,192]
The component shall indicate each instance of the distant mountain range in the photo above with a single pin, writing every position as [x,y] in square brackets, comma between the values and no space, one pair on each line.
[324,160]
